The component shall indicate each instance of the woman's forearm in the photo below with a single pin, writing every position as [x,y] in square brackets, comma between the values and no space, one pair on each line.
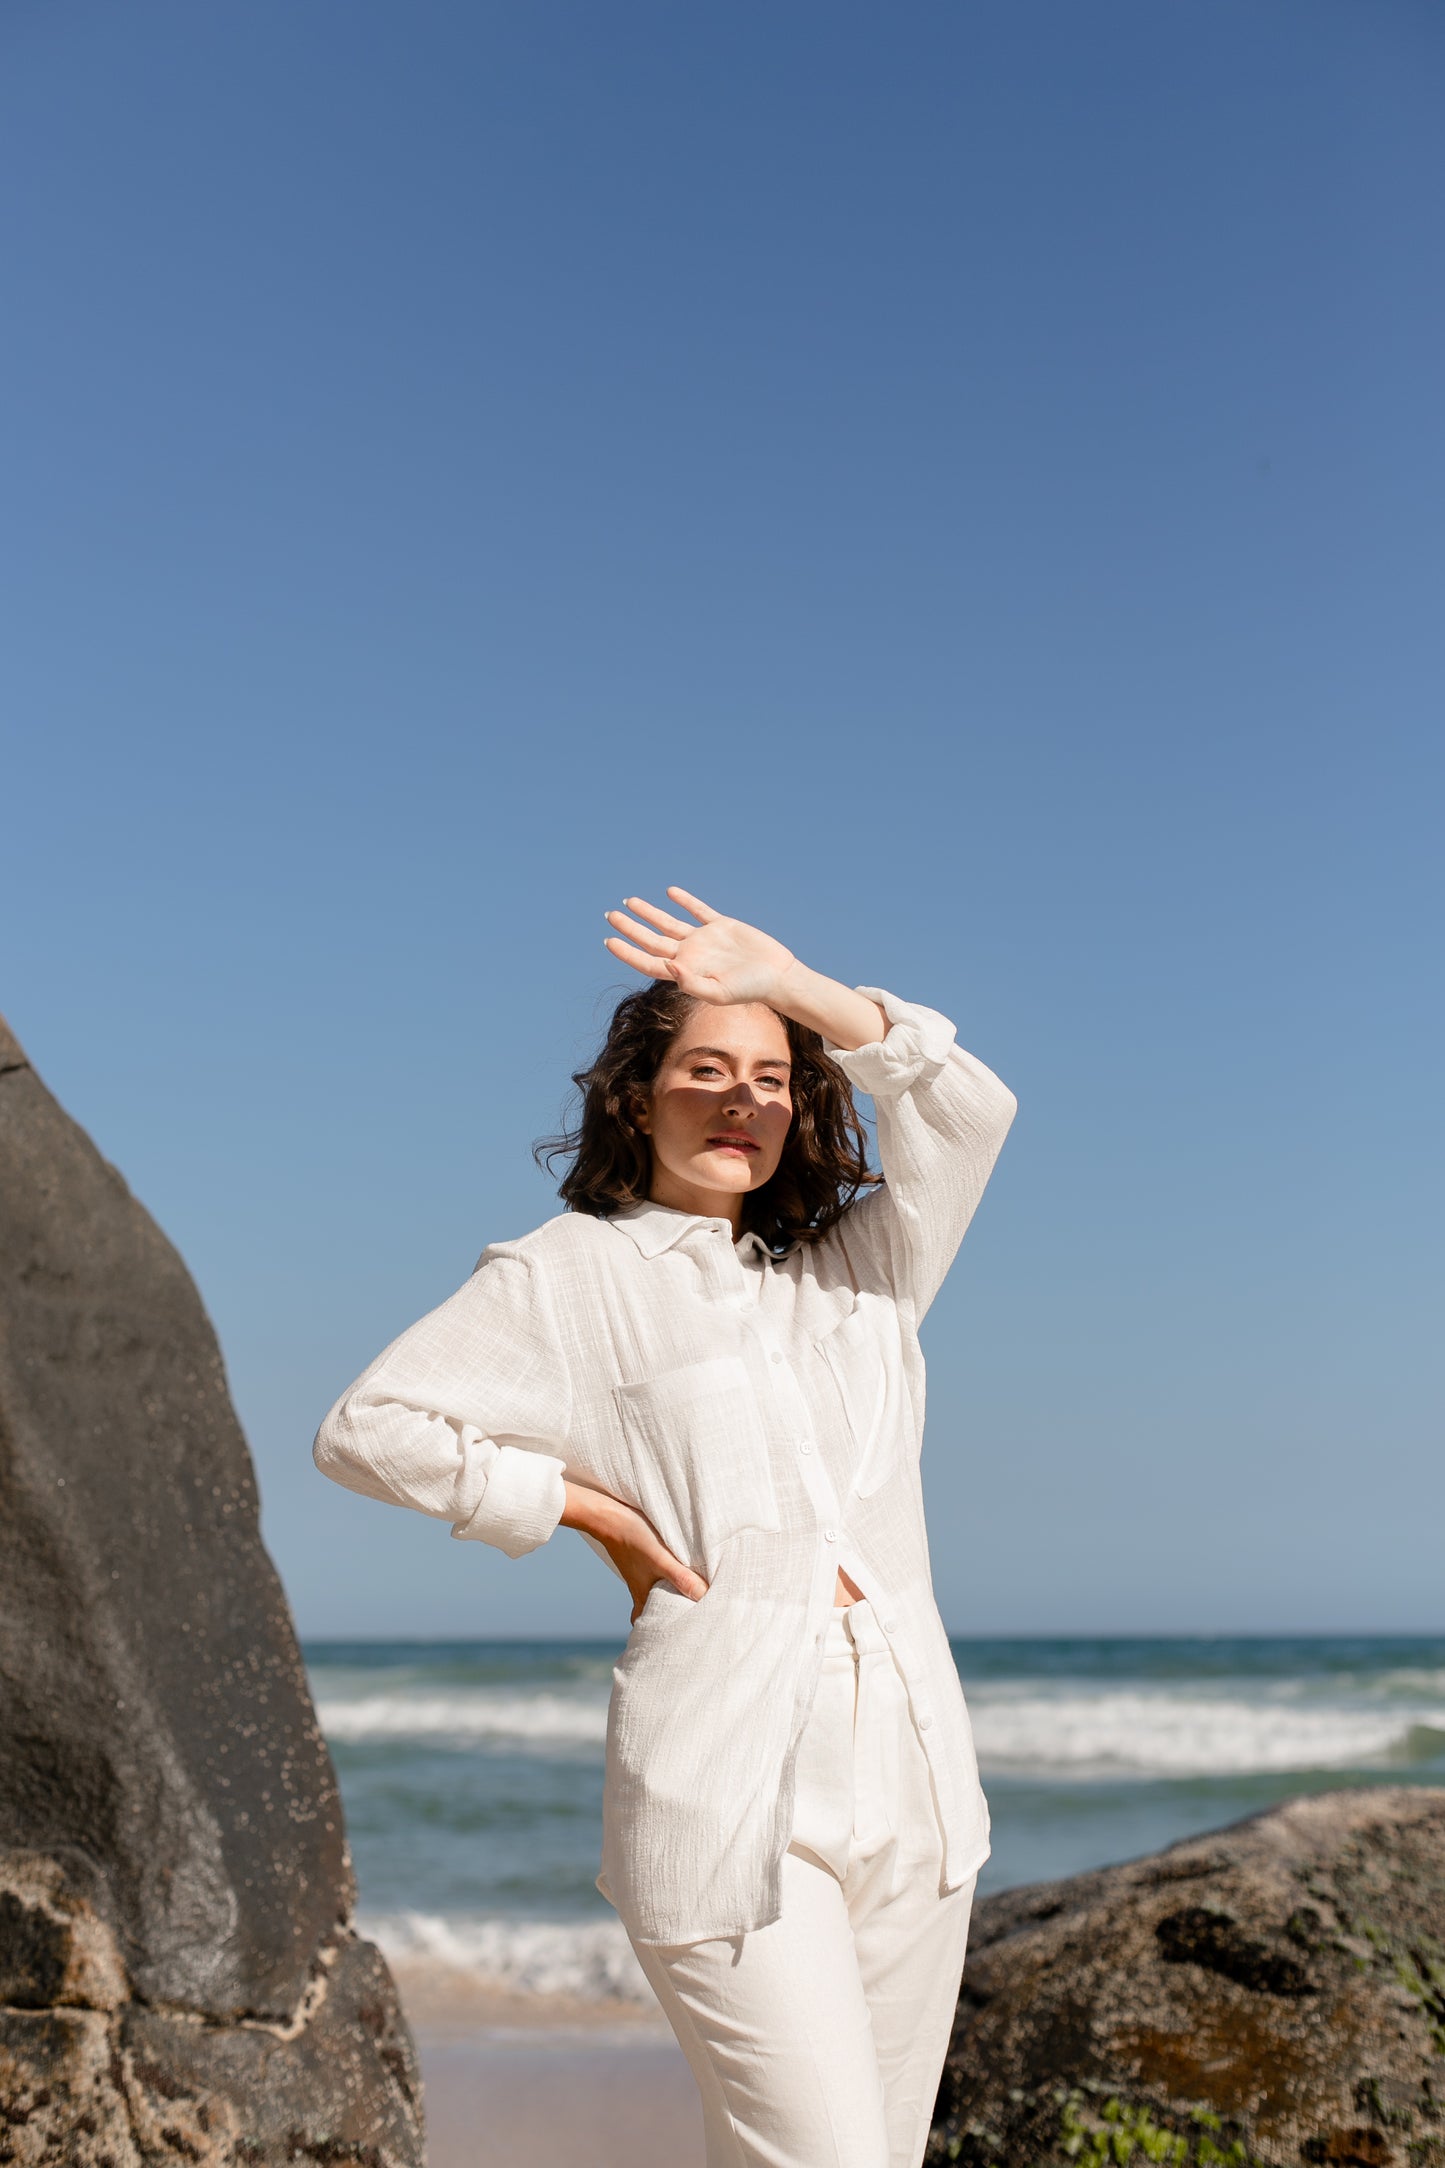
[726,960]
[630,1541]
[845,1018]
[592,1512]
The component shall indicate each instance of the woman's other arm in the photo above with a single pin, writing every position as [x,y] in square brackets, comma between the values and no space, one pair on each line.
[465,1416]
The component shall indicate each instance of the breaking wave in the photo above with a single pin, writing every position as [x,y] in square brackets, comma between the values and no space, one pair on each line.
[1151,1733]
[590,1960]
[463,1719]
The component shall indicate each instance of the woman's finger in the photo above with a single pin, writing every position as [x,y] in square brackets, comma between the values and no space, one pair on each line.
[656,944]
[651,967]
[683,1579]
[662,920]
[698,908]
[699,985]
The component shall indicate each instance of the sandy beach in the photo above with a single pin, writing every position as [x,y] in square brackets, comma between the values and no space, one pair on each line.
[513,2080]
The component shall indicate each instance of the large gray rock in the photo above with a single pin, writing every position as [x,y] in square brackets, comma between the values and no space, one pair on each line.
[1274,1992]
[178,1974]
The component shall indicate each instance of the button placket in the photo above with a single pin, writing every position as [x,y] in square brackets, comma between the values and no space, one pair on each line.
[718,1268]
[794,1411]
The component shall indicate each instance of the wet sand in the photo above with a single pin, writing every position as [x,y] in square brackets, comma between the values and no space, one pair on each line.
[515,2081]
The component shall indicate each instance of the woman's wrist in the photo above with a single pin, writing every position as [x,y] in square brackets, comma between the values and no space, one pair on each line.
[591,1512]
[845,1018]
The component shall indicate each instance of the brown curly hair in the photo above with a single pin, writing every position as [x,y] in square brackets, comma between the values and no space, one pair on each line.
[609,1161]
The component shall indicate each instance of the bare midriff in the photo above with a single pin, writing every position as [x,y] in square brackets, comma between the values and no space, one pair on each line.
[845,1591]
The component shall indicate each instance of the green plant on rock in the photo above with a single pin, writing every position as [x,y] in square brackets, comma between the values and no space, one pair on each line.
[1116,2132]
[1419,1966]
[978,2135]
[1417,1962]
[1111,2137]
[1421,1972]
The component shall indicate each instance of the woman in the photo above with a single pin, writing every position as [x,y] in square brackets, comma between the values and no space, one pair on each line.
[709,1366]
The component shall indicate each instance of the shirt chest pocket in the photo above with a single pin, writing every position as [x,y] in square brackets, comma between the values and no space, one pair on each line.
[856,1354]
[697,1452]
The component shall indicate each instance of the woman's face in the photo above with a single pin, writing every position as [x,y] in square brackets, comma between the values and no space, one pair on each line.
[720,1109]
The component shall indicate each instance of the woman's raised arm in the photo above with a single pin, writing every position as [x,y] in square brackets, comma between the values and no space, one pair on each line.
[725,960]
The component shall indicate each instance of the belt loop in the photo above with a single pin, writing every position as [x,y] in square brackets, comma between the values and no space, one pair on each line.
[863,1629]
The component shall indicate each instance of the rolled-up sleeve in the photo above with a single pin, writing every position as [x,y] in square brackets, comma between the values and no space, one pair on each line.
[466,1415]
[942,1118]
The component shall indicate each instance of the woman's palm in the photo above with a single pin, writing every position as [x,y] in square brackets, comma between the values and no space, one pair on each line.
[720,959]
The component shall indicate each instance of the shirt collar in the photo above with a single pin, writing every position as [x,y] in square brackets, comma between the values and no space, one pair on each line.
[657,1227]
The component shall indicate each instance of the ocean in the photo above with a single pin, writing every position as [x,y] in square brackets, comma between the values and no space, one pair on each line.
[471,1771]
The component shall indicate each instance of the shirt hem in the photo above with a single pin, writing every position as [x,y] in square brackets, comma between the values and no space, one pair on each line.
[973,1866]
[977,1861]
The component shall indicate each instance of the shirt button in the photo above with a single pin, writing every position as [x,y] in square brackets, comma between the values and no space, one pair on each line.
[776,1356]
[924,1721]
[830,1535]
[889,1625]
[805,1445]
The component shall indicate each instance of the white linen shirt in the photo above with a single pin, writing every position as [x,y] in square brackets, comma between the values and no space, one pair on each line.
[766,1413]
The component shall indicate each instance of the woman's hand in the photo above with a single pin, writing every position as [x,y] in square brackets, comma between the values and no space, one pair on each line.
[724,959]
[721,959]
[631,1542]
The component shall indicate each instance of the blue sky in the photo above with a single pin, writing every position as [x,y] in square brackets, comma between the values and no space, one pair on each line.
[958,485]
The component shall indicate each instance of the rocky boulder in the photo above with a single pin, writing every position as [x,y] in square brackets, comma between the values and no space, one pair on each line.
[179,1981]
[1270,1993]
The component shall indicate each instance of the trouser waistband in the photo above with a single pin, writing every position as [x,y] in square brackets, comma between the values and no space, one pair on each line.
[853,1630]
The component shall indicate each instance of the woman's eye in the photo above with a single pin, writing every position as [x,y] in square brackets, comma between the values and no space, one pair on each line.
[775,1081]
[707,1069]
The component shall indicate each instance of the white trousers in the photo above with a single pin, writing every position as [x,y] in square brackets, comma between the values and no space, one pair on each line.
[818,2041]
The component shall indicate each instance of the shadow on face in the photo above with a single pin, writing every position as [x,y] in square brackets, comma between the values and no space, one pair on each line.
[718,1113]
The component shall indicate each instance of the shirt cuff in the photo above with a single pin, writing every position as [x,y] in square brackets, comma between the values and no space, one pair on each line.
[914,1049]
[521,1504]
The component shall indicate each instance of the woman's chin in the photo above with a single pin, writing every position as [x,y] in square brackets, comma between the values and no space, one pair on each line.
[733,1171]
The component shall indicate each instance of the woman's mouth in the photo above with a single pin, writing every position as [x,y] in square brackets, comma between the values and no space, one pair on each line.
[731,1141]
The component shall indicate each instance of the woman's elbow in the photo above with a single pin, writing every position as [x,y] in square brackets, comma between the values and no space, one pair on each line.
[338,1449]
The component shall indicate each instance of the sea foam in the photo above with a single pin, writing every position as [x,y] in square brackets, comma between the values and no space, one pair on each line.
[1144,1733]
[465,1719]
[1139,1731]
[591,1960]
